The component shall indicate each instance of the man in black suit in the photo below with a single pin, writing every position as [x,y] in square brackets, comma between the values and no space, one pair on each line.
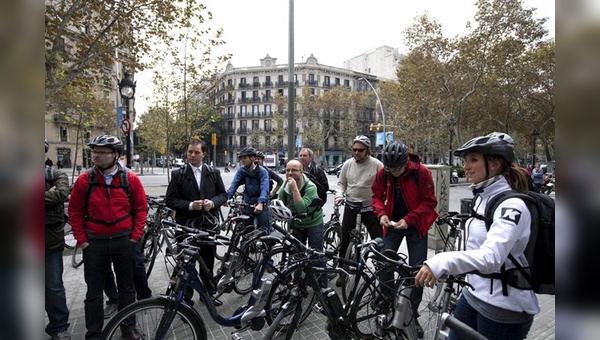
[196,192]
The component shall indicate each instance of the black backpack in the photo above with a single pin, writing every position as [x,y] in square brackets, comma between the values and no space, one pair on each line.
[539,276]
[321,189]
[93,182]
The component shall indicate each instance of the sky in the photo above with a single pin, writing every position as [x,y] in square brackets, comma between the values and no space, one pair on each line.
[332,30]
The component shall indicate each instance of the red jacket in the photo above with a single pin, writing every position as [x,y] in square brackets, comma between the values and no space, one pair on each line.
[418,194]
[107,204]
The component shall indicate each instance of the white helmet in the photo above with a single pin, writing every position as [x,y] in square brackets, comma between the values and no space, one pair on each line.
[279,211]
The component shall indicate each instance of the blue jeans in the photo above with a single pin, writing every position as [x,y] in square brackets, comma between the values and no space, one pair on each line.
[417,254]
[140,280]
[491,329]
[97,259]
[262,218]
[314,235]
[55,299]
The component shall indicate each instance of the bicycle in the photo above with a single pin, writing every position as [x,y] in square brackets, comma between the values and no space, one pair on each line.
[170,316]
[442,298]
[70,241]
[332,230]
[154,235]
[356,319]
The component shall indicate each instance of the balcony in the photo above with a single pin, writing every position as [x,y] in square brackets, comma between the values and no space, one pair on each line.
[243,130]
[243,85]
[267,114]
[311,83]
[326,84]
[268,84]
[256,85]
[266,99]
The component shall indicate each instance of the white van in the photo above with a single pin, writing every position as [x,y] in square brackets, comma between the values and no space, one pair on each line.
[178,162]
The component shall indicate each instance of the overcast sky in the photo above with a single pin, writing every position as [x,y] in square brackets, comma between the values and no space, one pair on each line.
[332,30]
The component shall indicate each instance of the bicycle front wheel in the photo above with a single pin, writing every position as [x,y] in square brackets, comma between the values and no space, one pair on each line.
[284,289]
[147,317]
[352,255]
[286,322]
[149,250]
[70,240]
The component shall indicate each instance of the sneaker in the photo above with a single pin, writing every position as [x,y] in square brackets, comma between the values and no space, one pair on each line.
[132,334]
[340,281]
[110,310]
[420,332]
[62,336]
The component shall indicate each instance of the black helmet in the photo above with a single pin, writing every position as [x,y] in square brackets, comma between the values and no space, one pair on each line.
[494,144]
[260,154]
[395,155]
[46,145]
[362,139]
[107,141]
[247,151]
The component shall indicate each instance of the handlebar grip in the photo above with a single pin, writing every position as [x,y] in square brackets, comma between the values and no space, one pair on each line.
[461,328]
[170,224]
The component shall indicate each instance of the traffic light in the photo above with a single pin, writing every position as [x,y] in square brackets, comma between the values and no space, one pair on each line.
[214,139]
[378,126]
[371,127]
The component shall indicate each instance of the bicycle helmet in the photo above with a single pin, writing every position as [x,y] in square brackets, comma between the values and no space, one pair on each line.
[107,141]
[260,154]
[395,155]
[247,151]
[46,145]
[494,144]
[363,140]
[279,211]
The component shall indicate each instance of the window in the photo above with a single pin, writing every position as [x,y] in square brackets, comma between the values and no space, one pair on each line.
[267,126]
[312,91]
[268,95]
[255,125]
[268,81]
[63,134]
[337,81]
[326,81]
[346,82]
[230,110]
[243,110]
[311,78]
[255,96]
[243,126]
[255,110]
[255,81]
[268,109]
[243,141]
[243,82]
[243,96]
[230,83]
[280,79]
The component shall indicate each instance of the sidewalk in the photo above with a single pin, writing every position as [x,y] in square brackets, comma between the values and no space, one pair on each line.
[543,327]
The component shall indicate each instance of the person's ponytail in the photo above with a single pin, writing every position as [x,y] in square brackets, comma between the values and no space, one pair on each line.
[515,177]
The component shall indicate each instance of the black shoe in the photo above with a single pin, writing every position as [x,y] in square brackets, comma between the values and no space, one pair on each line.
[132,334]
[340,281]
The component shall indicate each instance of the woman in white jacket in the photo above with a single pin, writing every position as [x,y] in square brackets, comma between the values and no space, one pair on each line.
[490,170]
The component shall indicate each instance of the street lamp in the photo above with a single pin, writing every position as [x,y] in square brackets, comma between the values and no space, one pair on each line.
[451,124]
[381,106]
[534,135]
[127,89]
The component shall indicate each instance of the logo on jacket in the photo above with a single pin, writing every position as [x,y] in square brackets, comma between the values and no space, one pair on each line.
[511,215]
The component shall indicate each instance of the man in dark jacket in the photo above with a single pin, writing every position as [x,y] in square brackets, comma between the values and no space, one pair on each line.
[57,193]
[196,192]
[314,172]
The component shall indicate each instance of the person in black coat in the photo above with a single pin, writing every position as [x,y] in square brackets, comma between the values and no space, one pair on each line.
[196,192]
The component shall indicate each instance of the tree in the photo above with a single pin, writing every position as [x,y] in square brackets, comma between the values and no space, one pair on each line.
[83,37]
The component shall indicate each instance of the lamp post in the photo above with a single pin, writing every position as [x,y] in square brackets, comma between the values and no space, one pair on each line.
[127,89]
[451,124]
[381,106]
[534,135]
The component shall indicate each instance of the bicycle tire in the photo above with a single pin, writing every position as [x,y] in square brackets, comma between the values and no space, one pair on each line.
[331,243]
[70,240]
[374,298]
[221,249]
[286,322]
[352,255]
[149,250]
[77,257]
[250,255]
[148,313]
[280,293]
[431,308]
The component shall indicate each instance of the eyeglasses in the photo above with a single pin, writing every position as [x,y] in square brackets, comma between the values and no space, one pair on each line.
[102,152]
[388,169]
[358,150]
[292,170]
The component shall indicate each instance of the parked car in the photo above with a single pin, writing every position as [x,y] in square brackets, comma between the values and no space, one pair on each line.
[334,170]
[178,162]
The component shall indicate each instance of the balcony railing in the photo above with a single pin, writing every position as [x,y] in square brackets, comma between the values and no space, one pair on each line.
[268,84]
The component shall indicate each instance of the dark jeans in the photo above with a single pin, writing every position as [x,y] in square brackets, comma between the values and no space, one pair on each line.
[140,280]
[97,259]
[490,329]
[417,254]
[314,235]
[369,219]
[262,218]
[55,299]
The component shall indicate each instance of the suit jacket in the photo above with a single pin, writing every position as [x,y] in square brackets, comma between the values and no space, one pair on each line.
[181,192]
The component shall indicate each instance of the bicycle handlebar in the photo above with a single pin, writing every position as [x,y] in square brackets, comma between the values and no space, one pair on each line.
[461,328]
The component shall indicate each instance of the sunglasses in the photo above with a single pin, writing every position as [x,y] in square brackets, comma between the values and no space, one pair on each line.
[388,169]
[358,150]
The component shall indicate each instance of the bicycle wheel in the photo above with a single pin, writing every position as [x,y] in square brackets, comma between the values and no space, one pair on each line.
[70,240]
[149,249]
[351,254]
[252,251]
[283,289]
[432,307]
[77,257]
[331,243]
[372,299]
[146,316]
[286,322]
[227,230]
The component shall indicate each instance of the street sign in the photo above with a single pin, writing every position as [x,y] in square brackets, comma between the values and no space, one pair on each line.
[126,126]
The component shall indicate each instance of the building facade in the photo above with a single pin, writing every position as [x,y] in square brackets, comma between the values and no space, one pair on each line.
[246,98]
[381,62]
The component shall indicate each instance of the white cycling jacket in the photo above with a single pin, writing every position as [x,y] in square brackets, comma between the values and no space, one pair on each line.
[487,251]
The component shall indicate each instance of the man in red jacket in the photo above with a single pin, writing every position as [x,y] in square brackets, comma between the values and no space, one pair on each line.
[406,186]
[107,226]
